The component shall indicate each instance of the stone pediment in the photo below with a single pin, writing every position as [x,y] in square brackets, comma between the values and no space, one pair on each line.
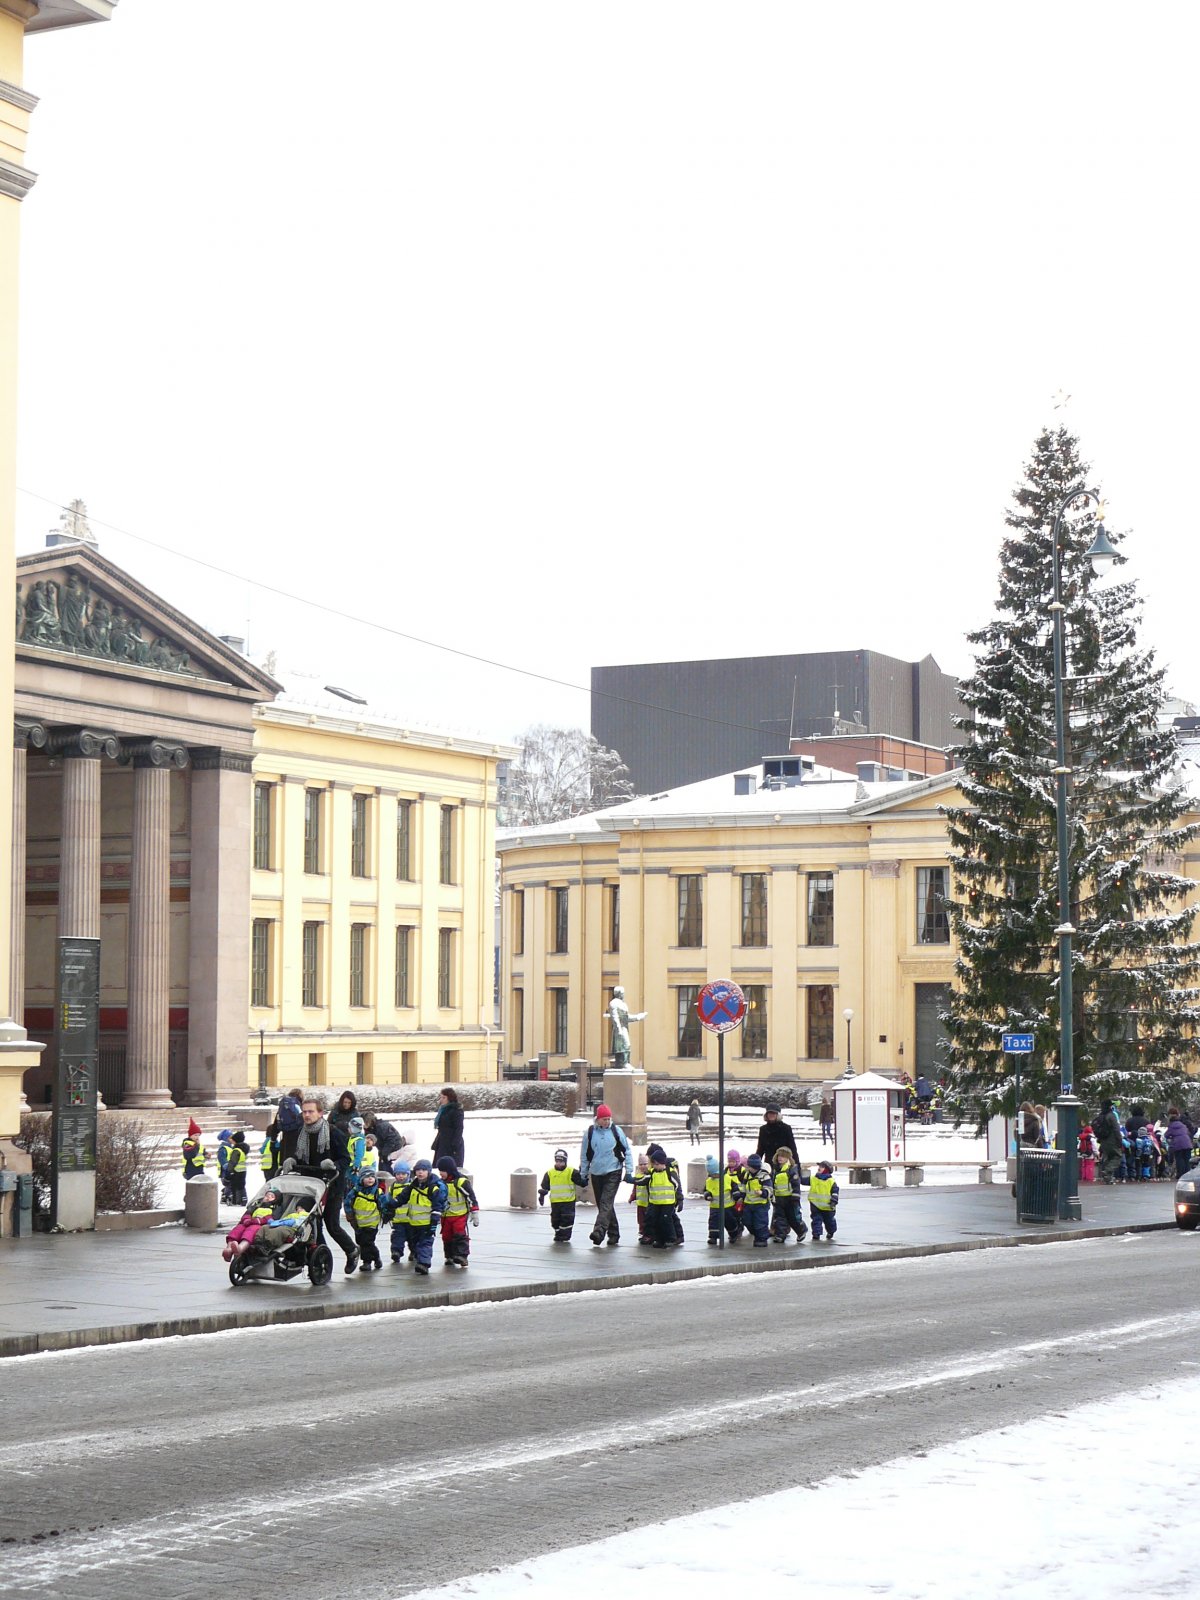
[71,601]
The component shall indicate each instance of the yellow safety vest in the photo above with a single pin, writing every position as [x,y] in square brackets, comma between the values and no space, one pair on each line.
[562,1185]
[420,1206]
[267,1157]
[195,1157]
[820,1192]
[366,1208]
[756,1188]
[399,1211]
[457,1203]
[237,1160]
[660,1188]
[710,1189]
[782,1183]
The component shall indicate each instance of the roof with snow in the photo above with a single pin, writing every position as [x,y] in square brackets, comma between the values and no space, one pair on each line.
[824,795]
[307,700]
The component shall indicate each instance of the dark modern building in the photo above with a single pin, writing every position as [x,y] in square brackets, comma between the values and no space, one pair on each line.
[676,722]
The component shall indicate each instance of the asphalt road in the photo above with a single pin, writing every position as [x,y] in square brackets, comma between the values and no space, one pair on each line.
[392,1452]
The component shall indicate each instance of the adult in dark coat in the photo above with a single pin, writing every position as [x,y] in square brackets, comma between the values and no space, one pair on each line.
[319,1141]
[1107,1128]
[346,1107]
[285,1137]
[389,1141]
[776,1134]
[448,1129]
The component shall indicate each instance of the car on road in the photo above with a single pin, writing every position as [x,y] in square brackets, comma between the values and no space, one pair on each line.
[1187,1199]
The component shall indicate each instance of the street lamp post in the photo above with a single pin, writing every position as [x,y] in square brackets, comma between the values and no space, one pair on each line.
[1067,1105]
[849,1016]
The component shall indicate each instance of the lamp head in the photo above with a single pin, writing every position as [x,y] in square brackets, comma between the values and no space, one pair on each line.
[1102,554]
[848,1013]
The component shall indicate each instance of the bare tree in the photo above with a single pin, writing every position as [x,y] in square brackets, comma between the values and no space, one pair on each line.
[563,772]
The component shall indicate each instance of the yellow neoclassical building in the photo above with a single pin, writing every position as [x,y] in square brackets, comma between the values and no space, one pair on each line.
[372,949]
[817,891]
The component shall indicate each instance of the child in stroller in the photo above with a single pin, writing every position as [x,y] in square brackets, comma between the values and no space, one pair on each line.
[283,1237]
[257,1214]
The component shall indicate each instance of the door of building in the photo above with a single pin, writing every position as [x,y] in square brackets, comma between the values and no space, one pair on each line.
[931,1035]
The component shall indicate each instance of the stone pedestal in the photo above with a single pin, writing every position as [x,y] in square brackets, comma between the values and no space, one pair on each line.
[697,1175]
[200,1196]
[522,1189]
[625,1096]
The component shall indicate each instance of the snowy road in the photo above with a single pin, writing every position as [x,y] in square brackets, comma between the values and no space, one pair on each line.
[429,1446]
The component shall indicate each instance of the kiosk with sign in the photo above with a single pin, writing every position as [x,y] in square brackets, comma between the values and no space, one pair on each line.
[869,1126]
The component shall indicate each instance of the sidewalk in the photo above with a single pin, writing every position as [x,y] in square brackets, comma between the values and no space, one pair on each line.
[61,1292]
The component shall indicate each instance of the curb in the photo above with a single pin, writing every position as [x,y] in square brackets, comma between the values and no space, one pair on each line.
[328,1311]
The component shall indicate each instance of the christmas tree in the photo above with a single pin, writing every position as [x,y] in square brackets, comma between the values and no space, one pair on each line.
[1134,965]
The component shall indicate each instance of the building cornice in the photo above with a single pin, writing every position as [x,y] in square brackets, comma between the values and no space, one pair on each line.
[16,96]
[383,732]
[15,181]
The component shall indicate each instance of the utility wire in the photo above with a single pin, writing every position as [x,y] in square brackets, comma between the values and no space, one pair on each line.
[399,633]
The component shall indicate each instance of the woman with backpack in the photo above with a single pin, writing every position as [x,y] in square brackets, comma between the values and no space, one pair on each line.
[287,1124]
[604,1156]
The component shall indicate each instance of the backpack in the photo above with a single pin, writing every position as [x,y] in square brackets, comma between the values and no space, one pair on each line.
[618,1143]
[288,1115]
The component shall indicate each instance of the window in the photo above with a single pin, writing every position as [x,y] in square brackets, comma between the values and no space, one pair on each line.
[560,910]
[404,840]
[517,1029]
[820,908]
[262,827]
[614,917]
[820,1022]
[518,922]
[359,854]
[754,1029]
[408,1066]
[404,966]
[446,845]
[358,963]
[691,914]
[933,922]
[316,1067]
[688,1036]
[260,962]
[559,1029]
[364,1067]
[313,805]
[754,909]
[445,967]
[449,1066]
[310,965]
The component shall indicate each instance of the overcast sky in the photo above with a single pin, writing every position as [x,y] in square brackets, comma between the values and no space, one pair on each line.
[575,334]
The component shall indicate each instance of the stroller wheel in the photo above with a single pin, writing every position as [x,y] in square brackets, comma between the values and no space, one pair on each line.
[237,1271]
[320,1265]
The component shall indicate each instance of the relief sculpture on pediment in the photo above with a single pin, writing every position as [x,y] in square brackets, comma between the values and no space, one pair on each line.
[68,616]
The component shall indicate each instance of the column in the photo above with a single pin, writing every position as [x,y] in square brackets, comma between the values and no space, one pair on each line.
[219,926]
[147,1056]
[79,856]
[24,734]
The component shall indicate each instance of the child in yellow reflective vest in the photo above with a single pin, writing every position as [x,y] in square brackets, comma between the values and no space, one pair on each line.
[366,1207]
[756,1200]
[663,1199]
[224,1146]
[425,1196]
[822,1201]
[559,1182]
[461,1208]
[398,1209]
[193,1151]
[235,1169]
[637,1197]
[729,1186]
[788,1214]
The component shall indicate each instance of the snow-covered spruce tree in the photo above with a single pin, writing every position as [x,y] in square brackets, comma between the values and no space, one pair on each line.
[1134,964]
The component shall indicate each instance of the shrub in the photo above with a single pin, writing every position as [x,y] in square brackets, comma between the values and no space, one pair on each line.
[681,1092]
[124,1178]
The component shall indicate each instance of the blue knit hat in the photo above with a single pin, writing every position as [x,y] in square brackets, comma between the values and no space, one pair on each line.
[710,1163]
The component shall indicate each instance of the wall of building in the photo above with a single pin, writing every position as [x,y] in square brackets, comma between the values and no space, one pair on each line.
[377,1041]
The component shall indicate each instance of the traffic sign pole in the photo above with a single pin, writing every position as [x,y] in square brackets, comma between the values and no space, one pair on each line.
[721,1006]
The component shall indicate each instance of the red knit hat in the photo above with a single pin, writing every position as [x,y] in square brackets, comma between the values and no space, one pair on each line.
[602,1111]
[193,1128]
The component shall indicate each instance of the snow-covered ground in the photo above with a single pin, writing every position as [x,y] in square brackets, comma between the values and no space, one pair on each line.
[1068,1507]
[498,1142]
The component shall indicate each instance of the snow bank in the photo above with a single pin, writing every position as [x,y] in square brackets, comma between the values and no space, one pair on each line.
[1049,1510]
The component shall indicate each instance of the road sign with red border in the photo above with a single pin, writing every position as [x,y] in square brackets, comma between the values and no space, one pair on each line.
[721,1006]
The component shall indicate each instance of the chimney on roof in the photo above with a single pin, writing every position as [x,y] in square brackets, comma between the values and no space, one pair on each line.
[234,641]
[73,528]
[743,783]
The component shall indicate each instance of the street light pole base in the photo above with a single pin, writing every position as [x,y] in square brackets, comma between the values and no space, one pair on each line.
[1067,1109]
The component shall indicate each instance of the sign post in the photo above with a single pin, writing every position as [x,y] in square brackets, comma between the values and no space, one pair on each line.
[77,1049]
[1017,1045]
[721,1007]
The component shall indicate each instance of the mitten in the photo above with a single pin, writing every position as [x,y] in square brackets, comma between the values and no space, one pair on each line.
[474,1219]
[541,1199]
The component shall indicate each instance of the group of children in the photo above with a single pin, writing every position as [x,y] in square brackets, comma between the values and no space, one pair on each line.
[764,1200]
[420,1202]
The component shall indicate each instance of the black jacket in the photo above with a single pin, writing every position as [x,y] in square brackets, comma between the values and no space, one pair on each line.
[387,1139]
[448,1141]
[774,1136]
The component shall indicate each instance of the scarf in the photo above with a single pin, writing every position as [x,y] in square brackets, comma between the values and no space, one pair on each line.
[321,1129]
